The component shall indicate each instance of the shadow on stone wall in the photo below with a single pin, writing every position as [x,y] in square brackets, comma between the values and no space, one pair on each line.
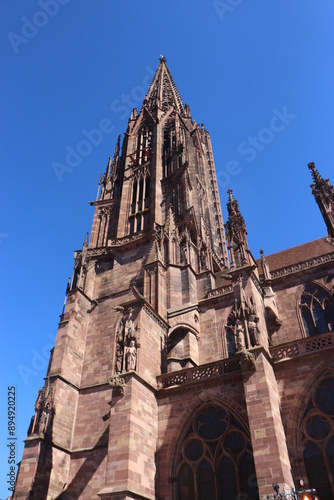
[91,461]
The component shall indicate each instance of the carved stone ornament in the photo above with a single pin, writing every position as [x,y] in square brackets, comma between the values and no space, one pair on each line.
[127,342]
[41,422]
[295,268]
[131,356]
[253,329]
[247,359]
[117,383]
[240,336]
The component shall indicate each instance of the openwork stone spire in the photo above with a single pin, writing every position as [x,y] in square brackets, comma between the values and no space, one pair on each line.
[163,92]
[323,193]
[236,233]
[236,224]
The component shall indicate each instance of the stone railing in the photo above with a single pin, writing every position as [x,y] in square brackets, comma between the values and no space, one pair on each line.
[199,373]
[232,365]
[220,291]
[302,346]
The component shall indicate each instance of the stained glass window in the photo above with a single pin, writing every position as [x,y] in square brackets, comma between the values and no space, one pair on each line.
[215,460]
[317,310]
[317,431]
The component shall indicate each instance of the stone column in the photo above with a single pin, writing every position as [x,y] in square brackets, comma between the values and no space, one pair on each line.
[131,465]
[272,463]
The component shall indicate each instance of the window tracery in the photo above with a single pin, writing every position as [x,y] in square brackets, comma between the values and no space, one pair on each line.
[172,148]
[144,146]
[317,310]
[140,201]
[317,439]
[140,197]
[215,458]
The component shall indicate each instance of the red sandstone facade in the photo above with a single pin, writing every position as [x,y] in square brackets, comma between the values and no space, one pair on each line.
[183,368]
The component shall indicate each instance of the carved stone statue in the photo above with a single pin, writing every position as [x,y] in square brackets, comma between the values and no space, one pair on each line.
[43,410]
[253,329]
[184,254]
[43,421]
[129,327]
[131,356]
[119,346]
[120,331]
[204,259]
[240,336]
[119,358]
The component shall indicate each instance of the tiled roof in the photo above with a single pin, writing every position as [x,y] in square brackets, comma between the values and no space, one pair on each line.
[297,254]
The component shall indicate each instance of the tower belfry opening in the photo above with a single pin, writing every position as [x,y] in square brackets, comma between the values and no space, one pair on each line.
[184,368]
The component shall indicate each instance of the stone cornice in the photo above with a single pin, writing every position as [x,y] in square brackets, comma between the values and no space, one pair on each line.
[183,310]
[99,252]
[128,240]
[103,203]
[155,316]
[75,290]
[125,375]
[302,266]
[223,290]
[257,284]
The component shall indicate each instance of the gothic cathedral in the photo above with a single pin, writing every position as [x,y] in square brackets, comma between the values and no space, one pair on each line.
[184,368]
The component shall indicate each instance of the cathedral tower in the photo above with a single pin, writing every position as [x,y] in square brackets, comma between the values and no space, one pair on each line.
[162,381]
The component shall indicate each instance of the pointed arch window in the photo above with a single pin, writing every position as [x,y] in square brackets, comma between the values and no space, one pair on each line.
[215,458]
[317,310]
[172,148]
[317,439]
[176,199]
[144,146]
[140,202]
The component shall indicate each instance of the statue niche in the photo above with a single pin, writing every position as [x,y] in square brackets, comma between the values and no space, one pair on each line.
[126,344]
[42,420]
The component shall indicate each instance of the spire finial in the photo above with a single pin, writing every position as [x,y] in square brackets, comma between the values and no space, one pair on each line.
[85,243]
[323,193]
[163,93]
[170,220]
[236,233]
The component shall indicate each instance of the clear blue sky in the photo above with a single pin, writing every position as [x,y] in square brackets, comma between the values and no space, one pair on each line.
[239,64]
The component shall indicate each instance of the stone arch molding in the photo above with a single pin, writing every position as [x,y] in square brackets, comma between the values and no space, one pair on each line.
[185,433]
[323,371]
[186,326]
[317,284]
[182,347]
[203,399]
